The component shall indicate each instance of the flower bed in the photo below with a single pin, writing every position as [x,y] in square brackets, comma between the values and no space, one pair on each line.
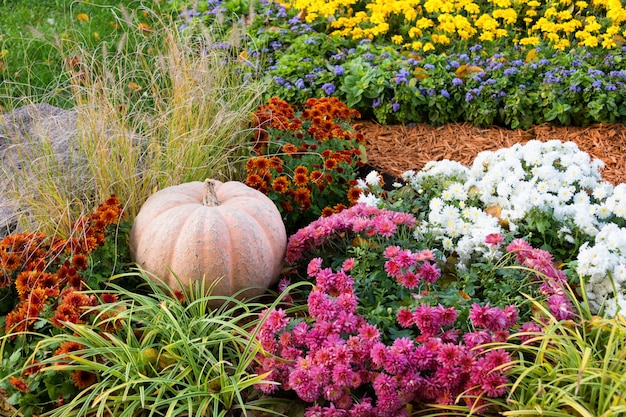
[496,287]
[509,63]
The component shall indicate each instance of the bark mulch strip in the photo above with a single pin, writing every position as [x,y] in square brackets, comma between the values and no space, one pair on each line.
[396,149]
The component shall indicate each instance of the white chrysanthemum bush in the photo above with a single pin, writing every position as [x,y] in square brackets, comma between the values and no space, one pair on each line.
[549,193]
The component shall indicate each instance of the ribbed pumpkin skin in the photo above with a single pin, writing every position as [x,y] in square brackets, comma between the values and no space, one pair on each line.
[242,239]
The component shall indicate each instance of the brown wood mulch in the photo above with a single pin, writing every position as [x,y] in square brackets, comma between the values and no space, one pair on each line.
[396,149]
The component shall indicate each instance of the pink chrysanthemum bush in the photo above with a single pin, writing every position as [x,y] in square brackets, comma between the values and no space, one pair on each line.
[387,327]
[336,360]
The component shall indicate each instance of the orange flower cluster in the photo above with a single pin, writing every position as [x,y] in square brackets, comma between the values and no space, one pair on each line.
[306,159]
[46,270]
[322,114]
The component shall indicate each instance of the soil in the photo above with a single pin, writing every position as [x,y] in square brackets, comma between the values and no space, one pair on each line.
[396,149]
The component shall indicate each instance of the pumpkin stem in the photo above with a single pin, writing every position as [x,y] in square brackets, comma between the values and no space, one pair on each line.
[210,198]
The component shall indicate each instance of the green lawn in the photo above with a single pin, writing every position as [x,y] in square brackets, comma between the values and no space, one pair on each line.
[37,38]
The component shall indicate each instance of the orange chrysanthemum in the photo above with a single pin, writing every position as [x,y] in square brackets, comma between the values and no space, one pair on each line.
[5,279]
[301,169]
[330,163]
[254,181]
[36,301]
[353,194]
[68,347]
[280,184]
[327,211]
[83,379]
[19,384]
[261,164]
[80,261]
[317,177]
[26,281]
[15,321]
[302,196]
[276,163]
[300,180]
[108,298]
[10,261]
[289,148]
[286,206]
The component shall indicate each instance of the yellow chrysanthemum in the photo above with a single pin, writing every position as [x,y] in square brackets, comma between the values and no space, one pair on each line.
[441,39]
[550,12]
[608,42]
[415,32]
[501,3]
[509,16]
[531,40]
[397,39]
[486,23]
[552,37]
[424,23]
[564,15]
[487,36]
[590,42]
[502,33]
[472,8]
[562,44]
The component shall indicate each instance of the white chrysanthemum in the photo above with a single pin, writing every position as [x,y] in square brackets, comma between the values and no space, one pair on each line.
[614,306]
[565,194]
[458,191]
[369,199]
[581,198]
[602,191]
[603,211]
[373,178]
[603,264]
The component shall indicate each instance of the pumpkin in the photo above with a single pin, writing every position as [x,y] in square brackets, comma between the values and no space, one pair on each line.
[223,231]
